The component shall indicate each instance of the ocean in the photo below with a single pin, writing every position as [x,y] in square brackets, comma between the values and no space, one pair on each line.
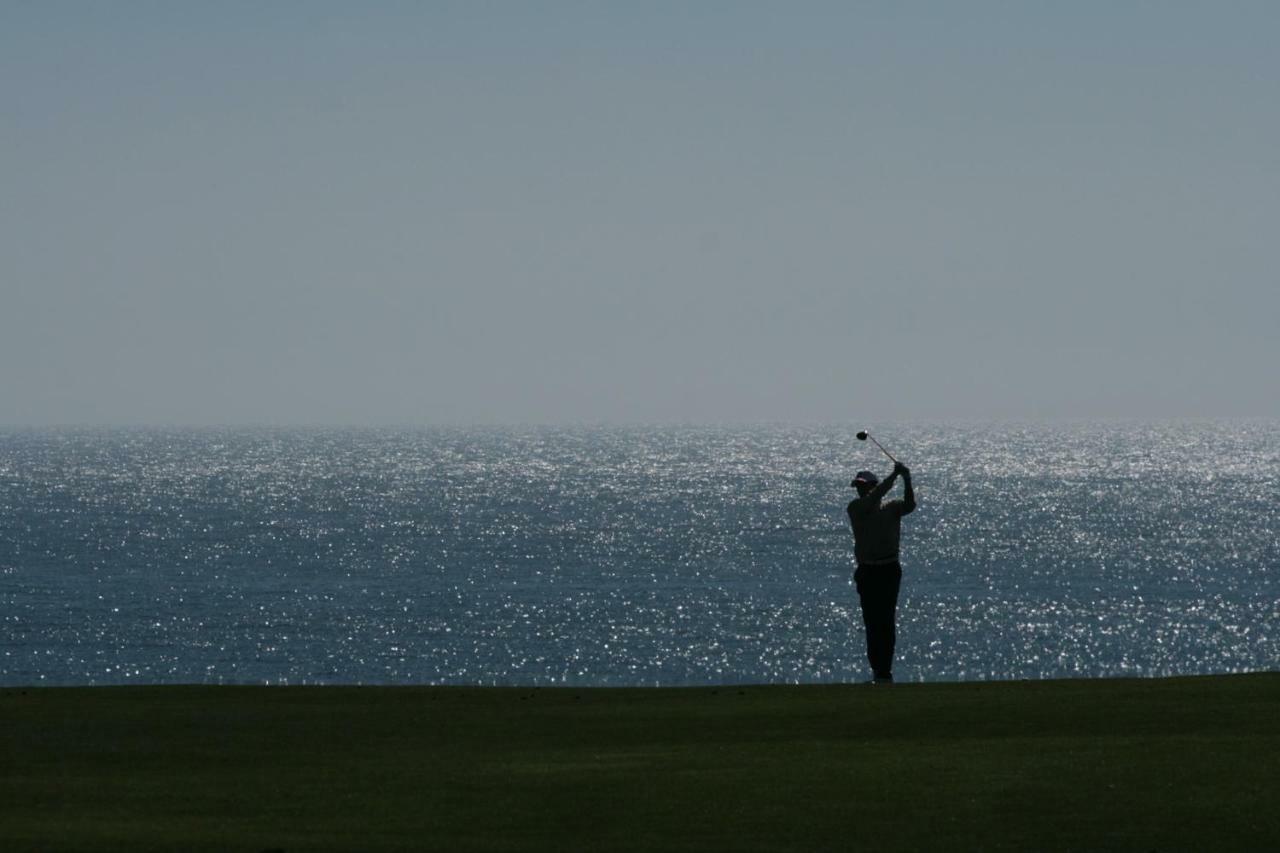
[630,556]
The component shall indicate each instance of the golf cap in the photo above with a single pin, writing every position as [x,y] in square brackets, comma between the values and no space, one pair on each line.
[865,477]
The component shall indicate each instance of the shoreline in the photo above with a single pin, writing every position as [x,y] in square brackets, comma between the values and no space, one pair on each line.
[642,687]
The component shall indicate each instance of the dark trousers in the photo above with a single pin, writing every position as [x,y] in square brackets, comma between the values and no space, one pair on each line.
[878,593]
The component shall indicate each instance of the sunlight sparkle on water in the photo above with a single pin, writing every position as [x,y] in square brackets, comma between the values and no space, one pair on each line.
[628,556]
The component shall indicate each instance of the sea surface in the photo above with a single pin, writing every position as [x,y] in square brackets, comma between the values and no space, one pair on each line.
[630,556]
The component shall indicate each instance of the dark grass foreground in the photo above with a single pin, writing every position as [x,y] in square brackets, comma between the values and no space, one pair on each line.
[1176,764]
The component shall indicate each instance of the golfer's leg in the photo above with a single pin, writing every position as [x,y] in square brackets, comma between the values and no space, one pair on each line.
[893,582]
[878,612]
[866,605]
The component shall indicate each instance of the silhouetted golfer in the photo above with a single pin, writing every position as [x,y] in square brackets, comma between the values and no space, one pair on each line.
[876,529]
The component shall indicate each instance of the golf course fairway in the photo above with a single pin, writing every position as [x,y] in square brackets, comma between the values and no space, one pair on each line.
[1116,764]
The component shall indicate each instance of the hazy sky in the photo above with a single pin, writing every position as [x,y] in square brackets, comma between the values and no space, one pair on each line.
[312,212]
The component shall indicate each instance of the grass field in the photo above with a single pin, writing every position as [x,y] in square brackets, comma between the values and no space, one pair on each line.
[1168,764]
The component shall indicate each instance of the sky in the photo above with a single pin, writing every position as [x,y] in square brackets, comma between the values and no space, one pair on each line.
[618,212]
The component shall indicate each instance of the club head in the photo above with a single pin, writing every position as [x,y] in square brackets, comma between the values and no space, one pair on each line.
[862,435]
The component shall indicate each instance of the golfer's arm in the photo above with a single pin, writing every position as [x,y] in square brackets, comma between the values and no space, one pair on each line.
[882,488]
[908,495]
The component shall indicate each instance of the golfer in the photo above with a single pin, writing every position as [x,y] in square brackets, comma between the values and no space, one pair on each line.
[876,528]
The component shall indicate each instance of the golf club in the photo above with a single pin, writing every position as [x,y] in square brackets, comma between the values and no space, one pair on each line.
[863,435]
